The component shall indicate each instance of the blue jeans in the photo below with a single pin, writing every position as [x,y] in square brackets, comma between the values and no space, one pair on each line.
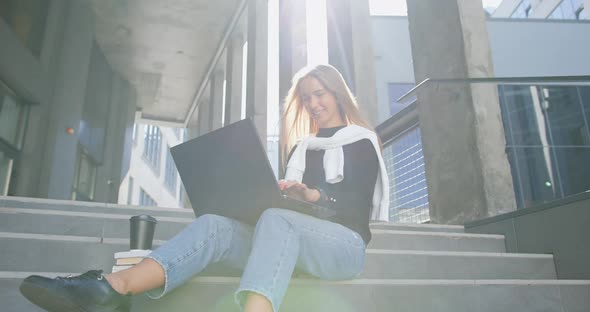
[268,254]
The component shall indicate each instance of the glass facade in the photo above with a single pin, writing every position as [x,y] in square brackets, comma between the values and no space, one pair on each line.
[85,177]
[152,146]
[171,174]
[547,143]
[547,140]
[408,193]
[130,191]
[13,119]
[523,10]
[181,196]
[6,163]
[569,9]
[145,199]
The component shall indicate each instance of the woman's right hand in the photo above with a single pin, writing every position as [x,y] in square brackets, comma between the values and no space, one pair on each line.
[299,190]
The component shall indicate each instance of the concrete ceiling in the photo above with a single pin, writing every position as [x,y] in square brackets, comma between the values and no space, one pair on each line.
[164,48]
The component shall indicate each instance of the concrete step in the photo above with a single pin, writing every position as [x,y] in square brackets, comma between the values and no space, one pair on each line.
[435,241]
[60,222]
[417,227]
[215,294]
[92,207]
[78,223]
[80,206]
[35,252]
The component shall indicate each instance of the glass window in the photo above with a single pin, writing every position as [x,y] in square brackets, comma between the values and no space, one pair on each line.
[85,178]
[408,193]
[557,13]
[145,199]
[569,9]
[152,146]
[130,191]
[26,18]
[523,10]
[547,141]
[13,113]
[134,133]
[181,196]
[171,174]
[5,172]
[178,132]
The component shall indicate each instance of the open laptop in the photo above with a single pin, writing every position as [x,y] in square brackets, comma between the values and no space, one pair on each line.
[226,172]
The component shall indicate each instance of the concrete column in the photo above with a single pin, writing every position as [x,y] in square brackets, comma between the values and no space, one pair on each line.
[57,174]
[256,97]
[292,43]
[363,60]
[351,51]
[120,118]
[233,87]
[467,171]
[128,98]
[34,146]
[216,99]
[292,48]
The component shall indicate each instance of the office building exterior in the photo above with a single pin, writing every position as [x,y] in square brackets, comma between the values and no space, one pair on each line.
[546,126]
[543,9]
[152,179]
[71,95]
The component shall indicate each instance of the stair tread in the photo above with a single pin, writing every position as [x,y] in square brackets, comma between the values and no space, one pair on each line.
[359,281]
[124,241]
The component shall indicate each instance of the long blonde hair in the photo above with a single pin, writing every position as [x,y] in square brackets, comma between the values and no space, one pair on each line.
[296,122]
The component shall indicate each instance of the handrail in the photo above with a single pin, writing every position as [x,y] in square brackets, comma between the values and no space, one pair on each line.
[504,80]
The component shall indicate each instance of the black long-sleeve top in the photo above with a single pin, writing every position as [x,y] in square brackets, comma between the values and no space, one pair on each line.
[352,197]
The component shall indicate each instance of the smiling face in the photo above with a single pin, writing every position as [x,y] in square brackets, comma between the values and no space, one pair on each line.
[320,103]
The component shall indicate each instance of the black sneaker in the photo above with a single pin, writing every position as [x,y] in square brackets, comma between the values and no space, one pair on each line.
[89,292]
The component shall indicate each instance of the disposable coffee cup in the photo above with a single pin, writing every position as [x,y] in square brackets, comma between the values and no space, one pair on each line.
[142,230]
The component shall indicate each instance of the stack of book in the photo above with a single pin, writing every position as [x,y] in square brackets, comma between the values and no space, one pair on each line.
[126,259]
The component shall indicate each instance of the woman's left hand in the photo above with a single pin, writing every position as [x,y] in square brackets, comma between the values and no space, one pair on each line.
[299,191]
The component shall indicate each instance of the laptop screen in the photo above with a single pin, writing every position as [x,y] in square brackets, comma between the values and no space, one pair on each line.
[227,172]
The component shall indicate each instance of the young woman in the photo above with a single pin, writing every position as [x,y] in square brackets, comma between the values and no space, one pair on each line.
[334,161]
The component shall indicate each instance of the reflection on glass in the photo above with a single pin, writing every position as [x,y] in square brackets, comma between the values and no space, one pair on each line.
[5,173]
[85,178]
[12,115]
[547,140]
[569,9]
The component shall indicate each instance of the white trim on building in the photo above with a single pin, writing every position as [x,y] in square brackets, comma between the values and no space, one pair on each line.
[149,177]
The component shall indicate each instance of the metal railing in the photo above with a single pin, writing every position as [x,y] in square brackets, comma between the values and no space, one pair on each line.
[540,111]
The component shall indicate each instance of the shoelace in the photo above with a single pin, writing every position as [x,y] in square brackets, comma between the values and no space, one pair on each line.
[90,275]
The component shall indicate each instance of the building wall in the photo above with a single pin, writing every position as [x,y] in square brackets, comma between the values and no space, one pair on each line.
[146,177]
[55,83]
[523,47]
[393,57]
[540,9]
[519,48]
[540,47]
[559,228]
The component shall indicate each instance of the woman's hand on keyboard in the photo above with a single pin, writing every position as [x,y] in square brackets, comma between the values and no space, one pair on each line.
[299,191]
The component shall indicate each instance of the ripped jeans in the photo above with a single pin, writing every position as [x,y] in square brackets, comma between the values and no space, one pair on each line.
[268,253]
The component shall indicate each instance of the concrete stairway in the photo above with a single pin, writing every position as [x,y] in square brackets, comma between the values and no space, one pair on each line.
[409,267]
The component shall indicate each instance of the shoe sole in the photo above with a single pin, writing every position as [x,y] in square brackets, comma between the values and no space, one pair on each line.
[47,300]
